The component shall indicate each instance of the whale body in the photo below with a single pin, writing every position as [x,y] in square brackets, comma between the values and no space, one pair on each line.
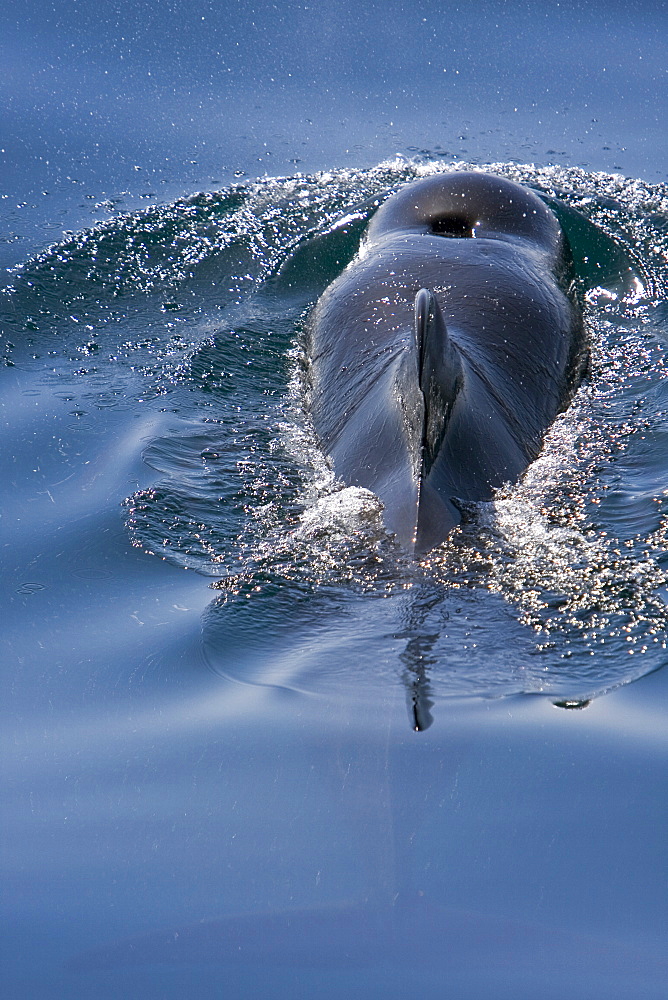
[444,351]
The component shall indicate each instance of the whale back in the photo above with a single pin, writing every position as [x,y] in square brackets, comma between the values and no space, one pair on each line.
[440,356]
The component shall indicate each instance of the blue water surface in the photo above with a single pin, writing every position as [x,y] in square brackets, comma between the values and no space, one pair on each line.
[214,662]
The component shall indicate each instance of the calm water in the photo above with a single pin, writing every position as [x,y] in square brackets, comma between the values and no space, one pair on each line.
[213,657]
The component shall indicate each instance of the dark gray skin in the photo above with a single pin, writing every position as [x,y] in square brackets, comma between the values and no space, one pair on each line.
[444,351]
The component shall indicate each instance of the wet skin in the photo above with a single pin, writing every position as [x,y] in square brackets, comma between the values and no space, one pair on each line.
[444,351]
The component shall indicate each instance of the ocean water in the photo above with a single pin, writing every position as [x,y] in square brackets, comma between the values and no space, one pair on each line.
[248,748]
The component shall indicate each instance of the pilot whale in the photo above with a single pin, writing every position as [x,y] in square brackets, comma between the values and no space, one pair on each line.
[444,351]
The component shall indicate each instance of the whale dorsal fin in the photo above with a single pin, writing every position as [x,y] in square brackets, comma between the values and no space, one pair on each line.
[440,372]
[441,377]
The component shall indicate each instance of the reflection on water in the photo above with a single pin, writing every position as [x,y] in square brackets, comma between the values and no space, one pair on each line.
[203,761]
[206,846]
[194,311]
